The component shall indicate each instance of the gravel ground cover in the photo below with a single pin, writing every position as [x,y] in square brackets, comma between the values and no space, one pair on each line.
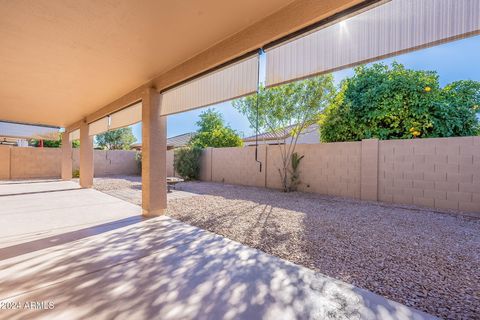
[421,258]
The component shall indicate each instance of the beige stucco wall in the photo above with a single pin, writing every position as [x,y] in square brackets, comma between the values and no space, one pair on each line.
[438,173]
[441,173]
[31,163]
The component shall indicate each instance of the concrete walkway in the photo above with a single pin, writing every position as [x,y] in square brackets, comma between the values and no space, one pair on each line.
[81,254]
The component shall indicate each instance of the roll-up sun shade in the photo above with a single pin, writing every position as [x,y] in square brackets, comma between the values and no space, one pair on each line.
[126,117]
[391,28]
[27,131]
[233,81]
[98,126]
[119,119]
[75,135]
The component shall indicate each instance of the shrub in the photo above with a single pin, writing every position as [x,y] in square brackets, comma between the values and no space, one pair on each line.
[76,173]
[187,162]
[138,158]
[295,173]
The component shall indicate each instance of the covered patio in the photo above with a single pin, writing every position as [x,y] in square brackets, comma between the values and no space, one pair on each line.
[91,255]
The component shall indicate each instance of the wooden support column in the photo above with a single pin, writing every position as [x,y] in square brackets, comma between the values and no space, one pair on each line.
[86,156]
[154,155]
[66,156]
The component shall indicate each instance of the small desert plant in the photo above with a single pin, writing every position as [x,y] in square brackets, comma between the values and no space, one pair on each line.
[76,173]
[187,162]
[294,172]
[138,158]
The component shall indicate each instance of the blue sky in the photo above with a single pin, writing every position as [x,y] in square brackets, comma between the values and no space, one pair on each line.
[453,61]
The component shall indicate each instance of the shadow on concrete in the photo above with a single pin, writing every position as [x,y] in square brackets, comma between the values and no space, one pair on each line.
[164,269]
[35,245]
[13,182]
[36,192]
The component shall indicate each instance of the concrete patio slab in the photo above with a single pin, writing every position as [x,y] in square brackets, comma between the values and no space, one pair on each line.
[36,210]
[23,187]
[162,268]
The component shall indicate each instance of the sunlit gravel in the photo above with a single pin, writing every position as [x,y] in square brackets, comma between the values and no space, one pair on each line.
[421,258]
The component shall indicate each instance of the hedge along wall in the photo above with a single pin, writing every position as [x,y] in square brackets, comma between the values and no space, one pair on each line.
[31,163]
[441,173]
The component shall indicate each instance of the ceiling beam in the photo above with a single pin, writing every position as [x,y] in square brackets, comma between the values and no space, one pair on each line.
[291,18]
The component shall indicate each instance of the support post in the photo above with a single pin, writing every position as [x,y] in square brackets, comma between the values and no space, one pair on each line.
[66,156]
[86,156]
[154,155]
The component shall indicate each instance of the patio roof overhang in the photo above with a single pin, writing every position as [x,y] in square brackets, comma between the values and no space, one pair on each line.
[65,61]
[87,65]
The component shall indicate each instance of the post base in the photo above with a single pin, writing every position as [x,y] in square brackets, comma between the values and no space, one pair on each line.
[153,213]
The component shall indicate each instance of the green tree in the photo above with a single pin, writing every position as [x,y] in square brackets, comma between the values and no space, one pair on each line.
[393,102]
[119,139]
[213,132]
[287,110]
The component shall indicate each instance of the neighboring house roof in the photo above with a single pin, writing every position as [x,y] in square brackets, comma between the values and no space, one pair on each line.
[180,140]
[8,141]
[269,136]
[172,142]
[136,145]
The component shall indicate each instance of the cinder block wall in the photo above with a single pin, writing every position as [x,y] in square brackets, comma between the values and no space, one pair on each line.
[206,165]
[327,168]
[439,173]
[238,166]
[4,162]
[170,167]
[31,163]
[110,162]
[28,163]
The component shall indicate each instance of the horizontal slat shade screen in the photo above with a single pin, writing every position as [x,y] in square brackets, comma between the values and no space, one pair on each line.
[75,135]
[126,117]
[26,131]
[233,81]
[391,28]
[98,126]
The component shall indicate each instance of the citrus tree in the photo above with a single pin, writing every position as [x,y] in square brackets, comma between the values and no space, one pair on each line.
[392,102]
